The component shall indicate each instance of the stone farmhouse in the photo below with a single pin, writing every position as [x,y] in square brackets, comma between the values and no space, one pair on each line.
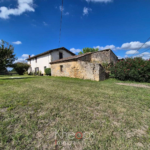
[42,61]
[85,66]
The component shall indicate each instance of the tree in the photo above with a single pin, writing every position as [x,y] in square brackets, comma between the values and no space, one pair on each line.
[7,56]
[86,50]
[21,68]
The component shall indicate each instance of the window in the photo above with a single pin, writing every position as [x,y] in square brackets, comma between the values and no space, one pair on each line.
[61,68]
[60,55]
[36,69]
[44,68]
[36,60]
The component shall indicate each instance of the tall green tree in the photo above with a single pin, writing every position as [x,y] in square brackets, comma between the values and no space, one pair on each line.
[7,56]
[86,50]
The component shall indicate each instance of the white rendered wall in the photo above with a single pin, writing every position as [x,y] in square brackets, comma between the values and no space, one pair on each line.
[45,60]
[55,54]
[42,61]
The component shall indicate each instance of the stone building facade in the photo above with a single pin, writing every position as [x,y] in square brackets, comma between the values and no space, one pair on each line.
[85,66]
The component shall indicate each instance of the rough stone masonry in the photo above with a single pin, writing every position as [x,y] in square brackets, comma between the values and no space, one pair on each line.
[85,66]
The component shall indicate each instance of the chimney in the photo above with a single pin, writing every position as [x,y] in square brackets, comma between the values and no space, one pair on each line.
[29,56]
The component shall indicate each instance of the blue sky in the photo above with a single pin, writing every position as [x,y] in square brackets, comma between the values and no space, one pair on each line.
[33,26]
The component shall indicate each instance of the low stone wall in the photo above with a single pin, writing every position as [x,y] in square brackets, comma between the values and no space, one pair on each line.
[79,69]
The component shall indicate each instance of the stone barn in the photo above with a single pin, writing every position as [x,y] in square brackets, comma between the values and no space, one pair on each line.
[84,66]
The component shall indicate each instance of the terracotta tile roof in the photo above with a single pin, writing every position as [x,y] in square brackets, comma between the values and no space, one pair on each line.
[75,57]
[51,51]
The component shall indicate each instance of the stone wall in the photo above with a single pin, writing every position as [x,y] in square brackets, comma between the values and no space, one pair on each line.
[101,57]
[86,67]
[79,69]
[113,57]
[106,56]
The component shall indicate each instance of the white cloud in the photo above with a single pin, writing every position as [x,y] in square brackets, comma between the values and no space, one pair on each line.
[17,42]
[75,50]
[45,24]
[126,46]
[100,1]
[20,60]
[131,45]
[61,8]
[144,55]
[32,55]
[23,6]
[67,13]
[23,58]
[119,57]
[135,45]
[86,10]
[112,47]
[131,52]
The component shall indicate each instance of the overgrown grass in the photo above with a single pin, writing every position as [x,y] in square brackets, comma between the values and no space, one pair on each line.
[31,109]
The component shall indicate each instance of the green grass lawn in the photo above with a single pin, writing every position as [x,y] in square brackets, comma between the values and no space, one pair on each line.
[37,112]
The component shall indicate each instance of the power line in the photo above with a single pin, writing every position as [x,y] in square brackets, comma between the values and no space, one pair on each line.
[148,48]
[60,23]
[141,46]
[145,50]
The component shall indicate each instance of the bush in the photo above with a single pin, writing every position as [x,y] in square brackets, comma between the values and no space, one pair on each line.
[48,71]
[134,69]
[30,73]
[25,73]
[107,66]
[21,68]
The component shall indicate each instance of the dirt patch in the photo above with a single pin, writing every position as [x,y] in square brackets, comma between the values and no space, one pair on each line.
[139,144]
[3,110]
[116,124]
[135,85]
[136,132]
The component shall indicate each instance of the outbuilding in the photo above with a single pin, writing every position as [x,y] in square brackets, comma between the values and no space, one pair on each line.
[84,66]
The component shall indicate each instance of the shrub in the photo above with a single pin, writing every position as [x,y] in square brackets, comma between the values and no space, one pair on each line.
[107,66]
[48,71]
[26,72]
[21,68]
[30,73]
[34,73]
[135,69]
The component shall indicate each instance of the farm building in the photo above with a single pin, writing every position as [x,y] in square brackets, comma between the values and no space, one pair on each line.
[42,61]
[84,66]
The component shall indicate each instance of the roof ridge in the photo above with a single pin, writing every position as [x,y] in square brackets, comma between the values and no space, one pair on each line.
[77,56]
[50,51]
[71,57]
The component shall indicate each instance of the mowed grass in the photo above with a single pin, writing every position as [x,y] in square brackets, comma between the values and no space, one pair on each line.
[109,116]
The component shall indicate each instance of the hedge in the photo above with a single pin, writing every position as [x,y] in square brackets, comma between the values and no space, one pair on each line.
[134,69]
